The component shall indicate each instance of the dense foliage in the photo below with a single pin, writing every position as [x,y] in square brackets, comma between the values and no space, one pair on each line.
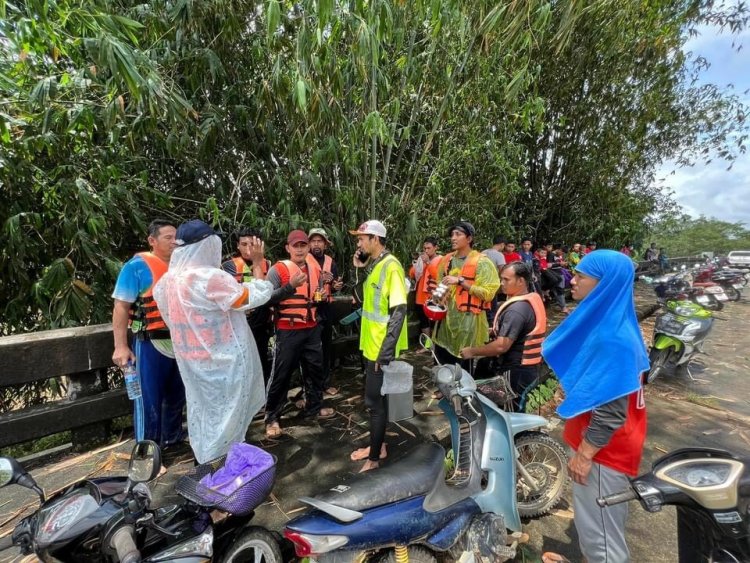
[686,236]
[526,117]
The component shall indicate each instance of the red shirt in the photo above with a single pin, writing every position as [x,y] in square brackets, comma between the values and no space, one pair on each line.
[511,257]
[624,450]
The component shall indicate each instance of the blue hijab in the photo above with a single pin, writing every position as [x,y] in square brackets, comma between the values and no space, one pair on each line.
[598,352]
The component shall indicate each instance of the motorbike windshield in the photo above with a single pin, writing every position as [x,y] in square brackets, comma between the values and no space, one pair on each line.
[71,515]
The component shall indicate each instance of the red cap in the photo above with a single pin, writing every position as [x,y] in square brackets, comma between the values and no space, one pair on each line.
[296,236]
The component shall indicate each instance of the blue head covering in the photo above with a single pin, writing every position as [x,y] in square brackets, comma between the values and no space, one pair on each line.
[598,352]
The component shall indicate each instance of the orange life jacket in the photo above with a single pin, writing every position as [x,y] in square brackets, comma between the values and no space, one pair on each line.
[145,309]
[426,284]
[328,287]
[465,301]
[300,307]
[532,344]
[243,272]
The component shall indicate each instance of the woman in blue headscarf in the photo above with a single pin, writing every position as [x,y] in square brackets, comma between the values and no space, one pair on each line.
[599,356]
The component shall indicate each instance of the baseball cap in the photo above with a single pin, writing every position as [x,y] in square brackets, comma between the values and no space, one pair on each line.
[371,227]
[194,231]
[465,227]
[296,236]
[319,232]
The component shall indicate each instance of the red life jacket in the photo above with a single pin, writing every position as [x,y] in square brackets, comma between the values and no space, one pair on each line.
[465,301]
[243,272]
[145,309]
[624,450]
[300,307]
[532,344]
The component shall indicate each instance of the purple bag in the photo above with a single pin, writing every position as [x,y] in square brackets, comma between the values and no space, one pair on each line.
[567,276]
[244,462]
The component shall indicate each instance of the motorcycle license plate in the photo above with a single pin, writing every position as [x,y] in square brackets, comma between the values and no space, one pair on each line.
[737,286]
[703,300]
[721,296]
[670,325]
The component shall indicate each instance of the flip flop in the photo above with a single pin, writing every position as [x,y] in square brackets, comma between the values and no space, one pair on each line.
[332,391]
[300,404]
[437,395]
[550,557]
[326,413]
[273,430]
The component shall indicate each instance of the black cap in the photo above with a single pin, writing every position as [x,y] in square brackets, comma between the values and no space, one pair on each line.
[194,231]
[465,227]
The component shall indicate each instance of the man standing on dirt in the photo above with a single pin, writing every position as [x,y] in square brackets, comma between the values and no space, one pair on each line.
[158,412]
[519,327]
[244,270]
[298,335]
[383,332]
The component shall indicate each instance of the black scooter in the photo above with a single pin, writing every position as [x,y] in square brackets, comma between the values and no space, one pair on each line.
[711,490]
[109,519]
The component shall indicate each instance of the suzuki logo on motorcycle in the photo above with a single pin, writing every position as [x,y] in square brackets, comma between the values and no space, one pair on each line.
[340,489]
[497,458]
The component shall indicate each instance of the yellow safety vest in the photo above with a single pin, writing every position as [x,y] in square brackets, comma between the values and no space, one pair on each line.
[375,315]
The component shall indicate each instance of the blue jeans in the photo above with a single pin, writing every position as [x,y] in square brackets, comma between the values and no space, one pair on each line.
[158,412]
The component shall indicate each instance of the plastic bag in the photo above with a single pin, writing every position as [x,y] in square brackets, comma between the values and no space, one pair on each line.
[396,378]
[244,462]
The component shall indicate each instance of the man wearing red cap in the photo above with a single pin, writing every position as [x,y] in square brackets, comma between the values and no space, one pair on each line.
[295,299]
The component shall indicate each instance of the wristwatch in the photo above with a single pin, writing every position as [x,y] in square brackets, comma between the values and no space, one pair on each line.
[461,280]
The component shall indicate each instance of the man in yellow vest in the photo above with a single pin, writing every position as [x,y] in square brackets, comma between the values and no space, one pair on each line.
[244,270]
[472,281]
[157,412]
[383,333]
[519,328]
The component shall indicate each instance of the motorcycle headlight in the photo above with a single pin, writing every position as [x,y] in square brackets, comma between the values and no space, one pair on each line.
[684,310]
[701,474]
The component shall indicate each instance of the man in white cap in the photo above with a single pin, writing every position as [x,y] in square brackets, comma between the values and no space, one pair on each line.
[383,333]
[331,283]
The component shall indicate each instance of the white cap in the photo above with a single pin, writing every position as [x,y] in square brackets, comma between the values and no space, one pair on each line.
[371,227]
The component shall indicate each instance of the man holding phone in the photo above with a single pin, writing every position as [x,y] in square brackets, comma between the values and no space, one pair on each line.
[383,332]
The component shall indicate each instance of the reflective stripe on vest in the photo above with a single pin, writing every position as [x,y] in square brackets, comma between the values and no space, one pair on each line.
[145,308]
[465,301]
[373,315]
[243,273]
[532,344]
[300,306]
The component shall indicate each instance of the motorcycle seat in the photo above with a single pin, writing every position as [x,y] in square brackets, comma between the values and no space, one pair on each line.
[704,284]
[413,475]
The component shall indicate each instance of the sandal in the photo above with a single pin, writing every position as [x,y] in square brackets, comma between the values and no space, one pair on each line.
[332,391]
[326,413]
[273,430]
[364,453]
[300,404]
[437,395]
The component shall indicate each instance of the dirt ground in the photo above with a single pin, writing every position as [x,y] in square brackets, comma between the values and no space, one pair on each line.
[711,409]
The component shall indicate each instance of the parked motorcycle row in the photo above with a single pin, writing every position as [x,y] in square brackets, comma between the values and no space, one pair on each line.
[687,299]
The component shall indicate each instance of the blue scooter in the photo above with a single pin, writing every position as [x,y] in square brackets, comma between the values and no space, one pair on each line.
[409,510]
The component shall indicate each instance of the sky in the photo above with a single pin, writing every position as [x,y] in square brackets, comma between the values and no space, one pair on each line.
[712,190]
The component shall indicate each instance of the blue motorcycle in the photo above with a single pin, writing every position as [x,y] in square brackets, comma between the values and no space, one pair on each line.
[410,511]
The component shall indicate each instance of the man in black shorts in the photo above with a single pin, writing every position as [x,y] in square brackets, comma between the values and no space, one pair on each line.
[518,331]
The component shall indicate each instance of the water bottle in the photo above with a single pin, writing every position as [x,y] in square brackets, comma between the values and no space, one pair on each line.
[132,385]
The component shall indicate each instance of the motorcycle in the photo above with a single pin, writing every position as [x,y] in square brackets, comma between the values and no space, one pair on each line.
[679,285]
[503,470]
[711,490]
[679,333]
[109,519]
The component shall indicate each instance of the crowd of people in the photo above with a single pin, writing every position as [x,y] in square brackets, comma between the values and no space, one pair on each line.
[201,328]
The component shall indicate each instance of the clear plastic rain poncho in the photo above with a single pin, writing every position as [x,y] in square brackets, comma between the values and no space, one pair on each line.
[213,345]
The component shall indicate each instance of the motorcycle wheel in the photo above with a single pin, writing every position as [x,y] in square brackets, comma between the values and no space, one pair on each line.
[417,554]
[254,545]
[658,360]
[732,293]
[546,461]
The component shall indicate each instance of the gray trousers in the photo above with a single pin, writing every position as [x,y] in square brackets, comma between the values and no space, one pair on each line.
[601,531]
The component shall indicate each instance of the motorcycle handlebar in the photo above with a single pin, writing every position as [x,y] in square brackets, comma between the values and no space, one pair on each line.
[617,498]
[123,542]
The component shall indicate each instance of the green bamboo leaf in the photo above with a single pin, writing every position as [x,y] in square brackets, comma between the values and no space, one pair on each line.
[273,17]
[300,91]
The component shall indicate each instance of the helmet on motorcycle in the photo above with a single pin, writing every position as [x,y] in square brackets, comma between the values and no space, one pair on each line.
[434,311]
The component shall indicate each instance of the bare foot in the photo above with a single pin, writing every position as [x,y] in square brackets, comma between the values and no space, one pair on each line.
[369,465]
[332,391]
[273,430]
[300,404]
[550,557]
[364,453]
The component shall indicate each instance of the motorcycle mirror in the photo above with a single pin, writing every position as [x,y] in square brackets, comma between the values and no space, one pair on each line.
[425,341]
[145,462]
[12,472]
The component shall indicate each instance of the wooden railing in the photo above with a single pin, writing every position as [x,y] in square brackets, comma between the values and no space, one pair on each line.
[83,355]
